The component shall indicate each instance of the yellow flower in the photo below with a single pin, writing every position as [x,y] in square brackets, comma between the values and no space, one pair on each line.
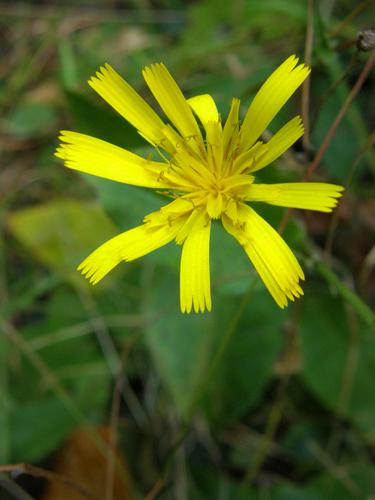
[207,168]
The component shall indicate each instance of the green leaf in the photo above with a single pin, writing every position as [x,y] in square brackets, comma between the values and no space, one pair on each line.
[206,482]
[300,436]
[76,366]
[5,399]
[30,119]
[339,362]
[68,64]
[247,363]
[184,346]
[363,310]
[353,482]
[102,122]
[38,427]
[127,205]
[352,132]
[61,233]
[179,343]
[358,482]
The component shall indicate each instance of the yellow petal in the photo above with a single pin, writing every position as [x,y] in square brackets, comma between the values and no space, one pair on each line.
[128,103]
[171,100]
[231,126]
[195,269]
[214,205]
[271,256]
[307,195]
[205,108]
[94,156]
[245,161]
[196,218]
[126,246]
[194,170]
[214,147]
[273,94]
[280,142]
[231,211]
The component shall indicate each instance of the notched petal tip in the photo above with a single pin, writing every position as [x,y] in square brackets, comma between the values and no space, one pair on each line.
[92,271]
[196,308]
[184,306]
[99,75]
[60,153]
[151,68]
[62,150]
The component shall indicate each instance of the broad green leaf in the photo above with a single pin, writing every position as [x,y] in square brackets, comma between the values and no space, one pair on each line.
[5,400]
[361,308]
[206,482]
[353,482]
[358,481]
[231,270]
[61,233]
[38,427]
[179,343]
[339,363]
[291,492]
[127,205]
[38,405]
[30,119]
[184,346]
[247,363]
[299,438]
[102,122]
[351,134]
[68,64]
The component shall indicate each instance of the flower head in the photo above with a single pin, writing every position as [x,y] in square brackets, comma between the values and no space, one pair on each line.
[208,168]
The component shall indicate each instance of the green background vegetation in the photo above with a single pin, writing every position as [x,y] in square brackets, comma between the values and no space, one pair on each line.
[263,402]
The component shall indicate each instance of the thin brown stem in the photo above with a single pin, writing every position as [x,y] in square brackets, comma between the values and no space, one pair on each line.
[271,428]
[113,438]
[17,339]
[202,390]
[348,376]
[334,470]
[332,131]
[32,470]
[112,461]
[335,217]
[14,489]
[324,98]
[357,10]
[305,97]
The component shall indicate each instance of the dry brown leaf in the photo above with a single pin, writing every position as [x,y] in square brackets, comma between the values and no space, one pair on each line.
[83,461]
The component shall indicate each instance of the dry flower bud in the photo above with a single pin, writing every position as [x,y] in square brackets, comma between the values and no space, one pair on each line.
[365,40]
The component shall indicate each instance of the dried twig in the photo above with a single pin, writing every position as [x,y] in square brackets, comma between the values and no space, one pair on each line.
[32,470]
[332,131]
[305,98]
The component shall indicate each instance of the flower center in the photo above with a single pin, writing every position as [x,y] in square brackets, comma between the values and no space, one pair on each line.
[211,173]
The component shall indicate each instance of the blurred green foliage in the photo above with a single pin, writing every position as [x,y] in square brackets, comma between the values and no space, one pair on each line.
[264,403]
